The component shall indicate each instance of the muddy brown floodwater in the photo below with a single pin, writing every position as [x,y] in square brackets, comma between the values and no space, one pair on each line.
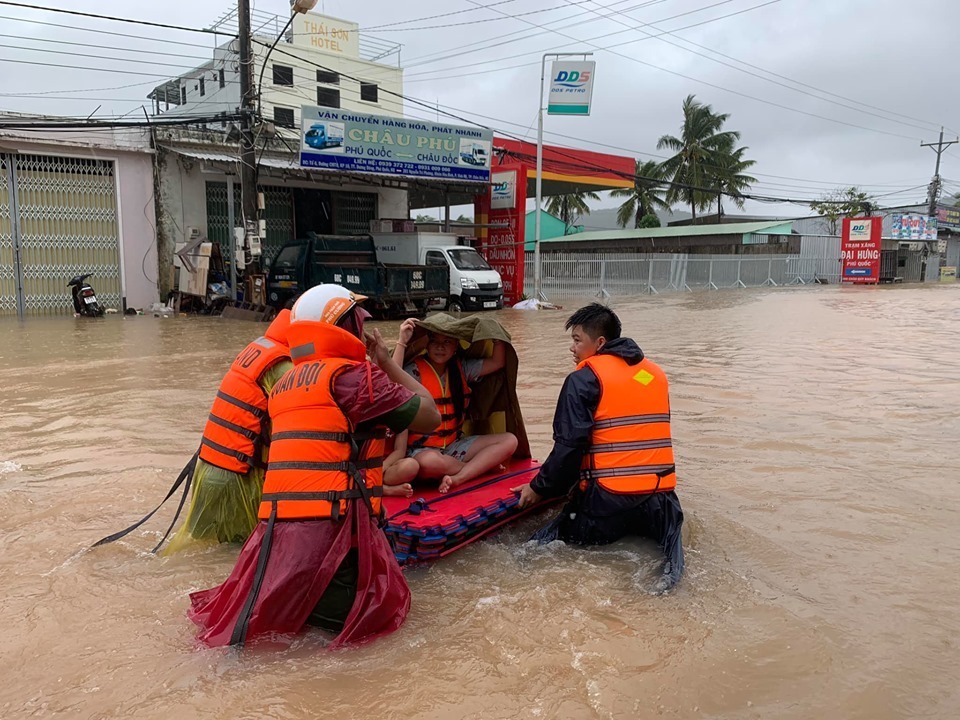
[817,434]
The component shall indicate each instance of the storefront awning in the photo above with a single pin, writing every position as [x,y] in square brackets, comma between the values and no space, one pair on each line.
[423,192]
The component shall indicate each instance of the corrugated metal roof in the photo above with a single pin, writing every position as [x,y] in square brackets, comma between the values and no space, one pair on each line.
[274,162]
[773,227]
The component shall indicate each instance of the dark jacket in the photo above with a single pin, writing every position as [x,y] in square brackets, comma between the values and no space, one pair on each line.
[573,422]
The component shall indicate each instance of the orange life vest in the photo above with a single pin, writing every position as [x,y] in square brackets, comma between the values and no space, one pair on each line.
[234,433]
[316,464]
[631,451]
[450,424]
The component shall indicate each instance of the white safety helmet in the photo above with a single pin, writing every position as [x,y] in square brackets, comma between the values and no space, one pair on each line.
[326,303]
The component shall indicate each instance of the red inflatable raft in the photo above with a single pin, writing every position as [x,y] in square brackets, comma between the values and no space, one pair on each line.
[429,525]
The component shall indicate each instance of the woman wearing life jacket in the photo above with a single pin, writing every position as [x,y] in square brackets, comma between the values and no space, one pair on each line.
[317,556]
[228,478]
[613,449]
[446,454]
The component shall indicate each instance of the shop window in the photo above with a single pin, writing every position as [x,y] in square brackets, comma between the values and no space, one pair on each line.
[282,75]
[369,92]
[328,77]
[283,117]
[327,97]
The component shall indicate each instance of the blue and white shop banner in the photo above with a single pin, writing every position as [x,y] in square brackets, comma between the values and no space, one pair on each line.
[350,141]
[913,227]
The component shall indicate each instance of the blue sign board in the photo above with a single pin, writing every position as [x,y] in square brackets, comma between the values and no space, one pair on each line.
[349,141]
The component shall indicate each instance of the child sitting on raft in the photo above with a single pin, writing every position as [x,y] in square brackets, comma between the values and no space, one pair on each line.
[446,454]
[398,469]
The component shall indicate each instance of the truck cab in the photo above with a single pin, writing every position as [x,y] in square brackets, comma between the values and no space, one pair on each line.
[322,135]
[474,285]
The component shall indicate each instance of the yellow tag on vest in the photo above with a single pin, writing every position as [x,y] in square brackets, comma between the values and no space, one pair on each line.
[643,377]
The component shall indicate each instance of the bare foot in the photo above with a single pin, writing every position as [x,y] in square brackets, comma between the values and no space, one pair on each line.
[448,483]
[404,490]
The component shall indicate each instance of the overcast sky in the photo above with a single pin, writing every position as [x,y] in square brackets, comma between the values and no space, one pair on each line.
[879,56]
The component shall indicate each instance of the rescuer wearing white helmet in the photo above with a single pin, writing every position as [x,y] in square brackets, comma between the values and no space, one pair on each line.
[321,498]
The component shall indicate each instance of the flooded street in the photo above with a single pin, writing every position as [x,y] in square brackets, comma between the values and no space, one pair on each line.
[817,433]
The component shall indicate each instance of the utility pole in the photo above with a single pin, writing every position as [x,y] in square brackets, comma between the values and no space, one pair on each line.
[939,148]
[248,156]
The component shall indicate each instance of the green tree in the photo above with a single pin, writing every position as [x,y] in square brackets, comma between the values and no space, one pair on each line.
[701,162]
[649,221]
[426,219]
[841,203]
[645,197]
[572,206]
[730,178]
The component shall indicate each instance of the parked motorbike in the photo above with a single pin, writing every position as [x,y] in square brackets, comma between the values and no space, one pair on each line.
[84,298]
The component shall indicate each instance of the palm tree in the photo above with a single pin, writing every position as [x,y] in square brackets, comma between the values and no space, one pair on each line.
[729,178]
[645,197]
[700,150]
[570,207]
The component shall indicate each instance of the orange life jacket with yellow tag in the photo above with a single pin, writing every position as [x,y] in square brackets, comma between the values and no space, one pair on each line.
[317,462]
[631,451]
[450,423]
[234,434]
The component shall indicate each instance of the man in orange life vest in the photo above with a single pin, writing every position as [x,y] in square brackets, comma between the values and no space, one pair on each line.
[317,556]
[228,478]
[613,451]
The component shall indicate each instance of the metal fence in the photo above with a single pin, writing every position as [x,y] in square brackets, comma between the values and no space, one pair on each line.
[587,274]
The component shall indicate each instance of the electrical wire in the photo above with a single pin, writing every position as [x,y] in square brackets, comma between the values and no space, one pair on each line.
[578,163]
[145,23]
[720,87]
[103,32]
[859,107]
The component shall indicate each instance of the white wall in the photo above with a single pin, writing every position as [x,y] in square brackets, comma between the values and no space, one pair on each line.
[130,152]
[304,60]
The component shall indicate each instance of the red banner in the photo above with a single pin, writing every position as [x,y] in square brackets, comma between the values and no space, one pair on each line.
[502,247]
[860,247]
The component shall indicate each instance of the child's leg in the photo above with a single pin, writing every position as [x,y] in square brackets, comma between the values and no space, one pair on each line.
[486,452]
[397,477]
[435,465]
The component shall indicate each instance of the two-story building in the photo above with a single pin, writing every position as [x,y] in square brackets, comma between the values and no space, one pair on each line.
[318,61]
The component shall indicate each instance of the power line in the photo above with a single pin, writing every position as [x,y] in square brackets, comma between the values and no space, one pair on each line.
[725,89]
[103,32]
[782,77]
[99,47]
[77,67]
[636,152]
[43,125]
[146,23]
[59,92]
[476,21]
[187,68]
[431,58]
[546,30]
[858,108]
[578,163]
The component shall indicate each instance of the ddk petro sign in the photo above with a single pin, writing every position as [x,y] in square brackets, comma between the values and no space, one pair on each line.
[860,246]
[571,88]
[359,142]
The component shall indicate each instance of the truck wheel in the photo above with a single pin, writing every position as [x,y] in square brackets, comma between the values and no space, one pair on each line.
[453,305]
